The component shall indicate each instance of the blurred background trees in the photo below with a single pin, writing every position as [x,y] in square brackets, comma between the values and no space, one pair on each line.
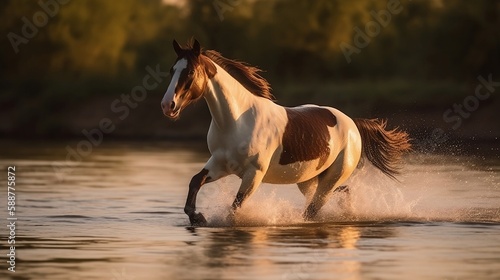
[428,56]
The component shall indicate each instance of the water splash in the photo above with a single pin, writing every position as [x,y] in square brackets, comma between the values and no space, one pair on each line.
[425,193]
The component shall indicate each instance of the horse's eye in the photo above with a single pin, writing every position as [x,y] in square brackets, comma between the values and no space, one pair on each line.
[191,73]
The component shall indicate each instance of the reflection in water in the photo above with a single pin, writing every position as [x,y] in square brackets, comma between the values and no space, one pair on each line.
[119,215]
[301,251]
[349,236]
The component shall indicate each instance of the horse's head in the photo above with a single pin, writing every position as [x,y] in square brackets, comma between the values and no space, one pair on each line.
[190,75]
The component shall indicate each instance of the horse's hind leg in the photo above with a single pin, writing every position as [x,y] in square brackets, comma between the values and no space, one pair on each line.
[328,181]
[308,188]
[345,198]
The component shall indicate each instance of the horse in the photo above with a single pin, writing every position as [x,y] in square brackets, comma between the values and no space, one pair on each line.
[254,138]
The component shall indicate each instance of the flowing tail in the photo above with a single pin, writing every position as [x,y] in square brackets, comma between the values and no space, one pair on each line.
[383,148]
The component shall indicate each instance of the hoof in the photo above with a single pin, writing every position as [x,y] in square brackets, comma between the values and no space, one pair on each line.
[344,189]
[310,213]
[198,220]
[231,219]
[308,216]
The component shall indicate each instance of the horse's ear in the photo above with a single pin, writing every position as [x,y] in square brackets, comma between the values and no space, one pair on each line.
[196,47]
[177,48]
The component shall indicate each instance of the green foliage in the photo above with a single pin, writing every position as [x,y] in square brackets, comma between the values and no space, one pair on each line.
[95,47]
[298,39]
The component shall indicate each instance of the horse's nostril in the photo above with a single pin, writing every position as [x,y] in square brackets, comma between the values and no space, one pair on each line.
[172,105]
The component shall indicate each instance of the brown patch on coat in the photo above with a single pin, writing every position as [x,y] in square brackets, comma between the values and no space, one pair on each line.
[306,135]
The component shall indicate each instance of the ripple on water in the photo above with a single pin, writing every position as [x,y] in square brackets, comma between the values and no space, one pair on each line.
[120,216]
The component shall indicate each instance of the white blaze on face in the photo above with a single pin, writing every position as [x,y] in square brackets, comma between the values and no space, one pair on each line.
[169,94]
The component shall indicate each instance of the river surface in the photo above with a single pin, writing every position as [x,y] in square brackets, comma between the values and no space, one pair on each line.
[116,212]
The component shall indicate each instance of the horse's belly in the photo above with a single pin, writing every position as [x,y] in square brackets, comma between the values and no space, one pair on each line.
[293,173]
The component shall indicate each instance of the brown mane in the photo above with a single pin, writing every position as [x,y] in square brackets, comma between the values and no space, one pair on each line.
[247,75]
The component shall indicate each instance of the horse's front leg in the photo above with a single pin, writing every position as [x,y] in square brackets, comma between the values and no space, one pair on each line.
[250,180]
[198,180]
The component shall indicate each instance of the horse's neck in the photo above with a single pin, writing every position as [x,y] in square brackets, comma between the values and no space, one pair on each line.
[227,99]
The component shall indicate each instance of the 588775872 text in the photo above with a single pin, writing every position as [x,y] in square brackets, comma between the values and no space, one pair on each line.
[11,219]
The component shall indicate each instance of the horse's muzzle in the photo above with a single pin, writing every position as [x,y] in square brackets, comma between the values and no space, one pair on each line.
[169,109]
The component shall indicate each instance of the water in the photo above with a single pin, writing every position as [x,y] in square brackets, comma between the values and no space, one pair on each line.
[119,215]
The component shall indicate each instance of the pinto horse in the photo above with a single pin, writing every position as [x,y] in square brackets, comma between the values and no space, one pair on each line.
[315,147]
